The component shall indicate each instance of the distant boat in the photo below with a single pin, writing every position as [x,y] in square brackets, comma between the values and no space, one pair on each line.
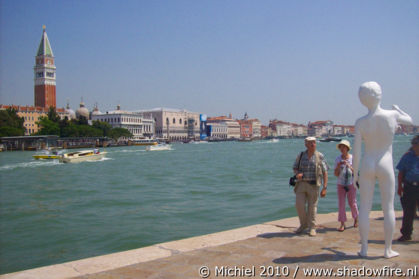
[198,142]
[159,147]
[329,139]
[82,156]
[143,142]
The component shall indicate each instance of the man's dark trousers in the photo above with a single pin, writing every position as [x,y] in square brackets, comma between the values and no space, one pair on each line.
[409,200]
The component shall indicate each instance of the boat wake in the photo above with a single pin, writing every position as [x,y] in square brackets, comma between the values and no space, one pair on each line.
[130,151]
[267,141]
[101,160]
[33,164]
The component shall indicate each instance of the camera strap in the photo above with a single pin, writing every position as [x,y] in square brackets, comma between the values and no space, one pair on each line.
[299,160]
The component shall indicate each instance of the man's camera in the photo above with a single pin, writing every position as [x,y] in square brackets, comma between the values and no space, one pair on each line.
[293,180]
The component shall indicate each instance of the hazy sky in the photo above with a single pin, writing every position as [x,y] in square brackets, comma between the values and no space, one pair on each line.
[297,61]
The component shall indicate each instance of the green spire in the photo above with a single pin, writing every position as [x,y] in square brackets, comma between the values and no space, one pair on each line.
[44,46]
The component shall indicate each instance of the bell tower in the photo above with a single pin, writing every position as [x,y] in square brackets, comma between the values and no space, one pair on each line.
[44,71]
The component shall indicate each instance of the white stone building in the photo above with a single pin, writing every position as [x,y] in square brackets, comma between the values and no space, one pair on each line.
[137,123]
[174,124]
[224,127]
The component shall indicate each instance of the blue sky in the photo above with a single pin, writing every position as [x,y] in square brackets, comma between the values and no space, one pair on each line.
[297,61]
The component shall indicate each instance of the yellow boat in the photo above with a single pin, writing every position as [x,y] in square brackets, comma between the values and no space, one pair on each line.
[48,154]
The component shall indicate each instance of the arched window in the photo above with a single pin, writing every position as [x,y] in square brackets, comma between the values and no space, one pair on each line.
[180,120]
[174,120]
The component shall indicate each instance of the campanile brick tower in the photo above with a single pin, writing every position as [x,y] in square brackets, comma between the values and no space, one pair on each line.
[44,70]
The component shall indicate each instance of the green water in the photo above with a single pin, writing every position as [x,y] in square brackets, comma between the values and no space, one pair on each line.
[52,213]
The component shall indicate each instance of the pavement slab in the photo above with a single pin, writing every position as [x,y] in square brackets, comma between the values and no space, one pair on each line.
[269,250]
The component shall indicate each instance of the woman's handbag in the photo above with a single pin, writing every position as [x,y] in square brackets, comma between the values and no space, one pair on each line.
[293,179]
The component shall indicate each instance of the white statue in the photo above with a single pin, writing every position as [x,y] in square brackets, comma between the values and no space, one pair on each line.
[376,129]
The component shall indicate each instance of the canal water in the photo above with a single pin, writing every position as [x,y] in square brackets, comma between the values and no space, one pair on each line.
[52,213]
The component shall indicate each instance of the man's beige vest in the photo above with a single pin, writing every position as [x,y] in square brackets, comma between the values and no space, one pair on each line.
[319,170]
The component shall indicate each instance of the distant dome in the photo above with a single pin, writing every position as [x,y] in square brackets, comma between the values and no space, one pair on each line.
[96,111]
[71,114]
[82,111]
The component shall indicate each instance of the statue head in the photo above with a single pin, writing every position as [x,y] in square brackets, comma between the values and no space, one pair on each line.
[370,94]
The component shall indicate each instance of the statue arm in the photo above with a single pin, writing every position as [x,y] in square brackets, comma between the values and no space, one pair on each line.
[403,118]
[357,151]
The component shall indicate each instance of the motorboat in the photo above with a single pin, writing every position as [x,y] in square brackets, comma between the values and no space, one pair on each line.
[82,156]
[159,147]
[329,139]
[198,142]
[48,154]
[143,142]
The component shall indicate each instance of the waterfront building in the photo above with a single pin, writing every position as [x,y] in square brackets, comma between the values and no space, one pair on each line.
[342,130]
[264,131]
[250,128]
[137,123]
[44,72]
[287,129]
[300,130]
[284,130]
[257,128]
[320,128]
[174,124]
[225,127]
[219,131]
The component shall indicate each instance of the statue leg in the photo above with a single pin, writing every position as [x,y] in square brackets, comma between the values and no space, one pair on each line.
[386,181]
[366,192]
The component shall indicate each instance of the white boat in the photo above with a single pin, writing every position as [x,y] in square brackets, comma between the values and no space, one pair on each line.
[145,142]
[81,156]
[158,147]
[199,142]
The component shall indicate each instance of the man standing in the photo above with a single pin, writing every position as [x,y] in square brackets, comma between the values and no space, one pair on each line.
[310,168]
[408,190]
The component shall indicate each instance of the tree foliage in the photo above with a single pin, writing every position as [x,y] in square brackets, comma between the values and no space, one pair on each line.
[117,133]
[47,126]
[53,125]
[105,127]
[11,124]
[53,115]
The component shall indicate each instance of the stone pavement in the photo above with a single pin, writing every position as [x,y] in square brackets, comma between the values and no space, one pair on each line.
[261,251]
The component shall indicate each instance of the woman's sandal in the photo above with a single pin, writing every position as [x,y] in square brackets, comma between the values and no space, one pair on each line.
[356,223]
[341,229]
